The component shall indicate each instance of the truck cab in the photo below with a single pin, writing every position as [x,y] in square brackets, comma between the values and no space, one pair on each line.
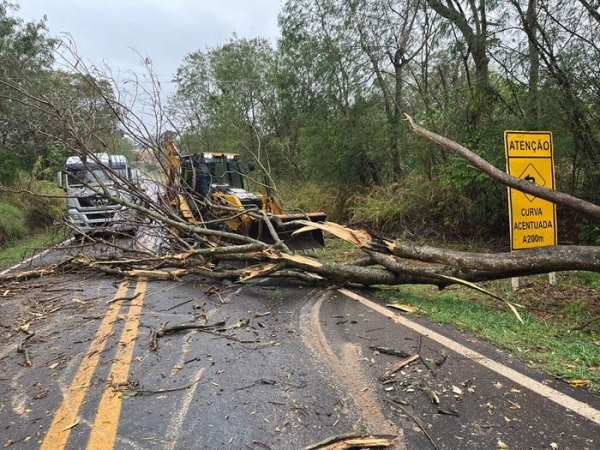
[89,185]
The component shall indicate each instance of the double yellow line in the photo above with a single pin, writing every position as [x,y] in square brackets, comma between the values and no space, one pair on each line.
[104,431]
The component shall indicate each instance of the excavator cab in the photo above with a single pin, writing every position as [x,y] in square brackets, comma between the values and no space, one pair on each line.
[218,177]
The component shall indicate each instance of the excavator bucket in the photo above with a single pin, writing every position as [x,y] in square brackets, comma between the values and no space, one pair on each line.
[308,240]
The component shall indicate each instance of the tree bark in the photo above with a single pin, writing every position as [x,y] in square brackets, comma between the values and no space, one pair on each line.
[560,198]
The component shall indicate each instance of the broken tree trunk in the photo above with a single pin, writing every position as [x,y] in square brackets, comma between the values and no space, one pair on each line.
[203,251]
[560,198]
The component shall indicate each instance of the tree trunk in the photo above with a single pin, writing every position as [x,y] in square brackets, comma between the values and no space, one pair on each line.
[534,67]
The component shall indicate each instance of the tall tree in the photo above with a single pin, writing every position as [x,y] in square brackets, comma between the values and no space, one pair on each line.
[26,57]
[226,97]
[391,34]
[476,22]
[319,46]
[564,34]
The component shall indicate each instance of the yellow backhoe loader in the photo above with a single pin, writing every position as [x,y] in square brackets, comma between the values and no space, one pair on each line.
[210,189]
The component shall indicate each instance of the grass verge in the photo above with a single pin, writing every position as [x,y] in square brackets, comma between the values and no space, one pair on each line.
[549,339]
[559,335]
[28,246]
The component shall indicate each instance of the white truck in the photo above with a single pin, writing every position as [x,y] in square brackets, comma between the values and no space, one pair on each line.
[89,185]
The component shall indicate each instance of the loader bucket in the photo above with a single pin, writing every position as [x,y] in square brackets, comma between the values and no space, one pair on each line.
[312,239]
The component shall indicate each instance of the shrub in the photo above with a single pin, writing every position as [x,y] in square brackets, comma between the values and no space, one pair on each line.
[44,211]
[40,205]
[9,164]
[417,205]
[310,196]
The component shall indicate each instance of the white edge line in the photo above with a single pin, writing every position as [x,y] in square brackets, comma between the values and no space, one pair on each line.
[581,408]
[37,255]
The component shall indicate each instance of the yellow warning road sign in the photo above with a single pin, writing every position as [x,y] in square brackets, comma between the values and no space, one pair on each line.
[530,156]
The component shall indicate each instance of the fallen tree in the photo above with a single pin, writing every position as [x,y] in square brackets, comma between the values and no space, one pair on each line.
[175,246]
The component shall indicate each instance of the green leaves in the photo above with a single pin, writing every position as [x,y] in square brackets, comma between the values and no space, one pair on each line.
[226,99]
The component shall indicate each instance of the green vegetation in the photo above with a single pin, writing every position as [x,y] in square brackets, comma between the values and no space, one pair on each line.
[12,223]
[29,207]
[26,247]
[561,333]
[312,196]
[548,339]
[322,112]
[43,107]
[325,106]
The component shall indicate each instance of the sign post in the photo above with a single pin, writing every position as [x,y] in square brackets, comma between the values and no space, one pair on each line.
[530,156]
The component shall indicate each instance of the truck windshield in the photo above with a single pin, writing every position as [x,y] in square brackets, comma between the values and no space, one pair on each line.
[93,177]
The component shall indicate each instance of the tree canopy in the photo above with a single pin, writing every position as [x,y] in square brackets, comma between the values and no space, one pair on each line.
[36,94]
[323,105]
[325,102]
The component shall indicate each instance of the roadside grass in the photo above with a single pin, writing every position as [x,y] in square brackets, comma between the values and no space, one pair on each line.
[549,339]
[559,335]
[21,249]
[12,223]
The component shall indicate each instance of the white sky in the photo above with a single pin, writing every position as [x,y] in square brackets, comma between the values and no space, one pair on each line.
[115,31]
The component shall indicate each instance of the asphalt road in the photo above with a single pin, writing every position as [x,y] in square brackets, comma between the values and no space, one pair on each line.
[270,365]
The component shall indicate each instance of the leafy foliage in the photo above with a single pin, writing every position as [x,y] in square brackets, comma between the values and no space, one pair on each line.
[42,106]
[324,104]
[25,55]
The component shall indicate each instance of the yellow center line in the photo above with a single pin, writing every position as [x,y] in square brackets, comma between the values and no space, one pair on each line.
[104,430]
[65,417]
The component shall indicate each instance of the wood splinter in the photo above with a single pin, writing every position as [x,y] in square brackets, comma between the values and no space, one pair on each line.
[354,441]
[21,348]
[396,367]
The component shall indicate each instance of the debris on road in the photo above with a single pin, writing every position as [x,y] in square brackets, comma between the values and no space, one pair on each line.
[22,348]
[396,367]
[390,351]
[354,441]
[217,329]
[404,308]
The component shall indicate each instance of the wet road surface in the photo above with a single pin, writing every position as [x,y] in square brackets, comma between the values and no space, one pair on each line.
[271,365]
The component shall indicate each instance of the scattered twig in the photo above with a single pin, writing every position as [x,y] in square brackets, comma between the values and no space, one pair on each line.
[424,359]
[216,329]
[432,395]
[396,367]
[180,304]
[190,326]
[263,445]
[448,412]
[442,359]
[268,382]
[354,440]
[409,414]
[257,383]
[118,299]
[61,289]
[72,425]
[21,348]
[584,325]
[390,351]
[404,308]
[140,391]
[155,334]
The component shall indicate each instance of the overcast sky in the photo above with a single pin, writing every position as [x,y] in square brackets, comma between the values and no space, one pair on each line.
[164,30]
